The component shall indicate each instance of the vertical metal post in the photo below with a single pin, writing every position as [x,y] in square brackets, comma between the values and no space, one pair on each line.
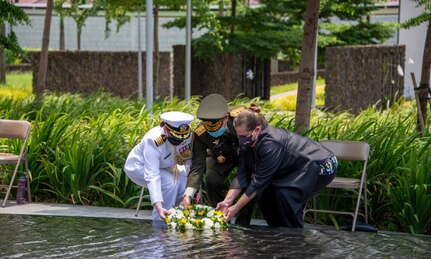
[313,92]
[149,52]
[140,92]
[188,49]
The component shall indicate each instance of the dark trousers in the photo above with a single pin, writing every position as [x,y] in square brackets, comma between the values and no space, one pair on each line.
[216,188]
[284,207]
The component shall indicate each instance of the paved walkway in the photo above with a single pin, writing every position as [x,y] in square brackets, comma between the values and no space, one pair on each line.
[55,209]
[283,94]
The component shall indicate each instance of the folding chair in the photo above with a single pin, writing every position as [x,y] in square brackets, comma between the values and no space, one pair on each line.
[348,151]
[15,129]
[141,197]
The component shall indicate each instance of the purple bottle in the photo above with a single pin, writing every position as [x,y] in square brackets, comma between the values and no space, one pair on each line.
[22,186]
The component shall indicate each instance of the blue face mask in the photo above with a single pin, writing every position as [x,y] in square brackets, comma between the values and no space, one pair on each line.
[217,133]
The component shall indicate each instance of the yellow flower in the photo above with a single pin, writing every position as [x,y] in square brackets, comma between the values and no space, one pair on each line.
[201,212]
[197,222]
[186,212]
[183,221]
[168,219]
[218,212]
[189,207]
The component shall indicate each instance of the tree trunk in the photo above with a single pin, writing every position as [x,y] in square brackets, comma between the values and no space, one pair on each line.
[306,67]
[2,56]
[78,39]
[43,61]
[425,79]
[61,32]
[156,49]
[266,79]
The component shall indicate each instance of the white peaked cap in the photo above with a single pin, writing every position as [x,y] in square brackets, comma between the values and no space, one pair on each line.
[177,119]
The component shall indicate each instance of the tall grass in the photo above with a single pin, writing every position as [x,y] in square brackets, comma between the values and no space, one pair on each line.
[78,147]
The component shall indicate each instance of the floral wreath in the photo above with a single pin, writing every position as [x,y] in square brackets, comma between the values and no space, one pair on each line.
[196,217]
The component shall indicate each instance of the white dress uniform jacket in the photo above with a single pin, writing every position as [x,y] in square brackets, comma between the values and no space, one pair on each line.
[162,168]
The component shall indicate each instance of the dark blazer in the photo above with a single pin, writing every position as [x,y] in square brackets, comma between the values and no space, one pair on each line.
[282,159]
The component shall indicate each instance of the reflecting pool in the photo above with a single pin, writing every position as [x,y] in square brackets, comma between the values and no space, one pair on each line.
[69,237]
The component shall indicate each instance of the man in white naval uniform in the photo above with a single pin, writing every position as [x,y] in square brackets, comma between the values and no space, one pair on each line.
[161,162]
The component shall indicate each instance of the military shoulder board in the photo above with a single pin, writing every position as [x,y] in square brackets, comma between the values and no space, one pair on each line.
[233,113]
[200,130]
[160,140]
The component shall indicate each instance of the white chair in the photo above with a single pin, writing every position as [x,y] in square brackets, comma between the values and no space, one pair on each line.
[350,151]
[15,129]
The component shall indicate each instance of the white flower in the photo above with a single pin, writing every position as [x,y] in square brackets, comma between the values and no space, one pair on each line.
[210,213]
[175,212]
[208,223]
[217,225]
[199,207]
[189,226]
[249,74]
[192,214]
[400,70]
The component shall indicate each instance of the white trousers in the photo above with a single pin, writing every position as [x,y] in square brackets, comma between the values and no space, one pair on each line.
[172,189]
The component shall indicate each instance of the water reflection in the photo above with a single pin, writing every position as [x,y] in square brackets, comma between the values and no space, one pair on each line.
[69,237]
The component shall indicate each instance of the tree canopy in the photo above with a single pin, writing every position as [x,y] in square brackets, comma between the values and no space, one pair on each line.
[276,26]
[421,18]
[12,15]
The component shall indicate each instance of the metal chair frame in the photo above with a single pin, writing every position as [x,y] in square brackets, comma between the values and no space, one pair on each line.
[348,151]
[15,129]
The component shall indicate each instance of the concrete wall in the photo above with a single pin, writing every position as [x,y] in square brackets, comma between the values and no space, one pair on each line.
[360,76]
[87,72]
[208,75]
[213,76]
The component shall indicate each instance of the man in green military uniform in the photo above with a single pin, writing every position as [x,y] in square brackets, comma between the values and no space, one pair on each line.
[217,135]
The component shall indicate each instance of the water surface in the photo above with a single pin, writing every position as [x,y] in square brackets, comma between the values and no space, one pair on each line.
[73,237]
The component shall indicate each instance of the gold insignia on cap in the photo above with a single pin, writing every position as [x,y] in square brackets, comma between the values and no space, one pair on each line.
[212,126]
[184,128]
[200,130]
[233,113]
[183,131]
[160,140]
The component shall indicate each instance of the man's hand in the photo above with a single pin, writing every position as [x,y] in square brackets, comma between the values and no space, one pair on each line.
[223,206]
[162,211]
[231,212]
[186,202]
